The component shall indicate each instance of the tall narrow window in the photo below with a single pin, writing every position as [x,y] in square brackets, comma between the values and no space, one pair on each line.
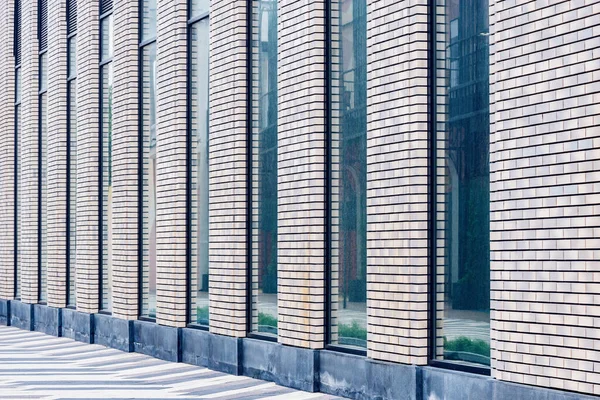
[72,147]
[462,183]
[17,177]
[348,185]
[106,87]
[264,168]
[198,117]
[43,151]
[148,110]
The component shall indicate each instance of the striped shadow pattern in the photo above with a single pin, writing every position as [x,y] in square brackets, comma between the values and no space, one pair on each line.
[37,366]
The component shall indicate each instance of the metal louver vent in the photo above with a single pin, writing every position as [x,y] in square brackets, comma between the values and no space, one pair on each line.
[17,48]
[43,24]
[71,16]
[105,6]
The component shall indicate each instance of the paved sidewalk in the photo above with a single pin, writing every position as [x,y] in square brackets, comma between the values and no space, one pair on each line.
[38,366]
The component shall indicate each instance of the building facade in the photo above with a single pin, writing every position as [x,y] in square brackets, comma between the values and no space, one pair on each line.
[391,199]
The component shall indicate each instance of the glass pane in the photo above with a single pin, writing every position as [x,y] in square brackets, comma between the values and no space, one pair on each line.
[72,126]
[18,86]
[199,7]
[199,161]
[463,202]
[18,200]
[264,169]
[149,19]
[43,72]
[107,86]
[43,192]
[349,173]
[72,57]
[149,181]
[106,31]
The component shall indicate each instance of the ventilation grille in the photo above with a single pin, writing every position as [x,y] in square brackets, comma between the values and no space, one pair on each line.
[43,24]
[71,16]
[17,32]
[105,6]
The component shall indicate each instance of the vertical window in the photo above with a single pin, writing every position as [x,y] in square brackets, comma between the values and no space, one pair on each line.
[148,156]
[198,117]
[72,148]
[17,177]
[462,183]
[43,151]
[264,168]
[106,87]
[348,181]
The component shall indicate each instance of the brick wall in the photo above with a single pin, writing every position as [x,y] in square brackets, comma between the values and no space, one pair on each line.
[88,131]
[301,173]
[125,161]
[7,149]
[227,163]
[545,199]
[171,215]
[57,153]
[397,185]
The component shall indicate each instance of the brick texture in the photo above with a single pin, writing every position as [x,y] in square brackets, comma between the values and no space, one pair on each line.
[397,184]
[125,161]
[301,173]
[171,215]
[227,164]
[7,150]
[88,176]
[545,197]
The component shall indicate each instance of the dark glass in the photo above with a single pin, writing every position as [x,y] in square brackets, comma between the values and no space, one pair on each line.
[199,161]
[72,115]
[43,188]
[463,200]
[148,19]
[106,73]
[348,284]
[149,180]
[264,169]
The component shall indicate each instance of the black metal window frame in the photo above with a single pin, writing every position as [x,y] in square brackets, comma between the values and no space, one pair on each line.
[432,203]
[42,36]
[17,56]
[71,36]
[106,10]
[191,20]
[142,44]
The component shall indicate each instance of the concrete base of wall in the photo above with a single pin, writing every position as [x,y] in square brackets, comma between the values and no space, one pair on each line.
[21,315]
[157,340]
[288,366]
[341,374]
[205,349]
[113,332]
[77,325]
[4,312]
[358,377]
[47,320]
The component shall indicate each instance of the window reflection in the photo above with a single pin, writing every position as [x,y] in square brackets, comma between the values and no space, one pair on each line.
[348,173]
[264,169]
[463,253]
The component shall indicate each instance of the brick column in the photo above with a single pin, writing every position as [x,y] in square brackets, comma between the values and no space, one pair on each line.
[125,211]
[29,153]
[301,173]
[7,149]
[57,153]
[171,135]
[227,164]
[397,184]
[88,152]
